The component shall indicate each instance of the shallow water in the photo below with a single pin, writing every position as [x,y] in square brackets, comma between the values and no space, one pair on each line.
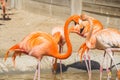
[82,75]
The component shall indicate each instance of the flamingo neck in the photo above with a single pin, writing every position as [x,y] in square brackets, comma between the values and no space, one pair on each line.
[69,46]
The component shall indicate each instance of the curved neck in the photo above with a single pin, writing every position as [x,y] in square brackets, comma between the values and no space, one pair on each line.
[69,46]
[91,29]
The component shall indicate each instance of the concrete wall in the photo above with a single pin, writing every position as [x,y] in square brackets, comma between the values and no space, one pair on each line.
[59,8]
[48,7]
[14,4]
[107,11]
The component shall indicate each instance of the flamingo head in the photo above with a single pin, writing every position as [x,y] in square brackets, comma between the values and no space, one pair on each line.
[82,28]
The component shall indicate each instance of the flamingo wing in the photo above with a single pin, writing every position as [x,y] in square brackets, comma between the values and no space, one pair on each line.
[36,43]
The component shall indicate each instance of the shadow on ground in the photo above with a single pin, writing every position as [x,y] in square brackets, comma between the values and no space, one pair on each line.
[78,65]
[81,65]
[6,19]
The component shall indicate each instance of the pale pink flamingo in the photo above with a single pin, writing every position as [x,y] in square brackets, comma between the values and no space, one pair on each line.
[83,31]
[39,44]
[104,39]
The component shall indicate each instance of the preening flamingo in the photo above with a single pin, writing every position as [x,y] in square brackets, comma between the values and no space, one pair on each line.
[39,44]
[61,43]
[104,39]
[3,5]
[83,31]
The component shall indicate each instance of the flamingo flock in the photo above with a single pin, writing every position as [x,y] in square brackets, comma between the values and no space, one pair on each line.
[39,44]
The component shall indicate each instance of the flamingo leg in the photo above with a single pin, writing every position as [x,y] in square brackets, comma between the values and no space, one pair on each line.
[111,61]
[61,50]
[89,62]
[101,67]
[3,3]
[109,51]
[35,75]
[54,65]
[110,54]
[107,70]
[87,66]
[61,69]
[85,51]
[39,70]
[54,62]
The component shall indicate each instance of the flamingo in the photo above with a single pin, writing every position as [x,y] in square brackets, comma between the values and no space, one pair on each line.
[83,31]
[61,43]
[108,40]
[39,44]
[3,5]
[104,39]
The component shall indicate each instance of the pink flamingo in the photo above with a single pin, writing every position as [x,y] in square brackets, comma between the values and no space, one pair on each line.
[104,39]
[3,4]
[83,31]
[61,43]
[39,44]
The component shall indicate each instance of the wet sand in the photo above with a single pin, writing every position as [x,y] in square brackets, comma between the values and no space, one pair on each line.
[69,75]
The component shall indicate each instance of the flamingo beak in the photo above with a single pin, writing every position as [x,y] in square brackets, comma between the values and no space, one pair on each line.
[76,19]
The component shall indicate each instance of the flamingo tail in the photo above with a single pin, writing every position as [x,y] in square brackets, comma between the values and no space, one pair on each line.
[13,48]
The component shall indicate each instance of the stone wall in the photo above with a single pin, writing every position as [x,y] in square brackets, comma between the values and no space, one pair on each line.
[107,11]
[59,8]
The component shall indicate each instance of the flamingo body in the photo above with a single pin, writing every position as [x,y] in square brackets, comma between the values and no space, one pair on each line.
[60,30]
[107,38]
[84,31]
[39,44]
[103,39]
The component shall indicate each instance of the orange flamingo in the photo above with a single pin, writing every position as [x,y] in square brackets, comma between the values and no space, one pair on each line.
[3,4]
[104,39]
[83,31]
[39,44]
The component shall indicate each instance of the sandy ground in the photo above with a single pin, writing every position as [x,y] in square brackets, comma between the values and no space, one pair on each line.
[21,24]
